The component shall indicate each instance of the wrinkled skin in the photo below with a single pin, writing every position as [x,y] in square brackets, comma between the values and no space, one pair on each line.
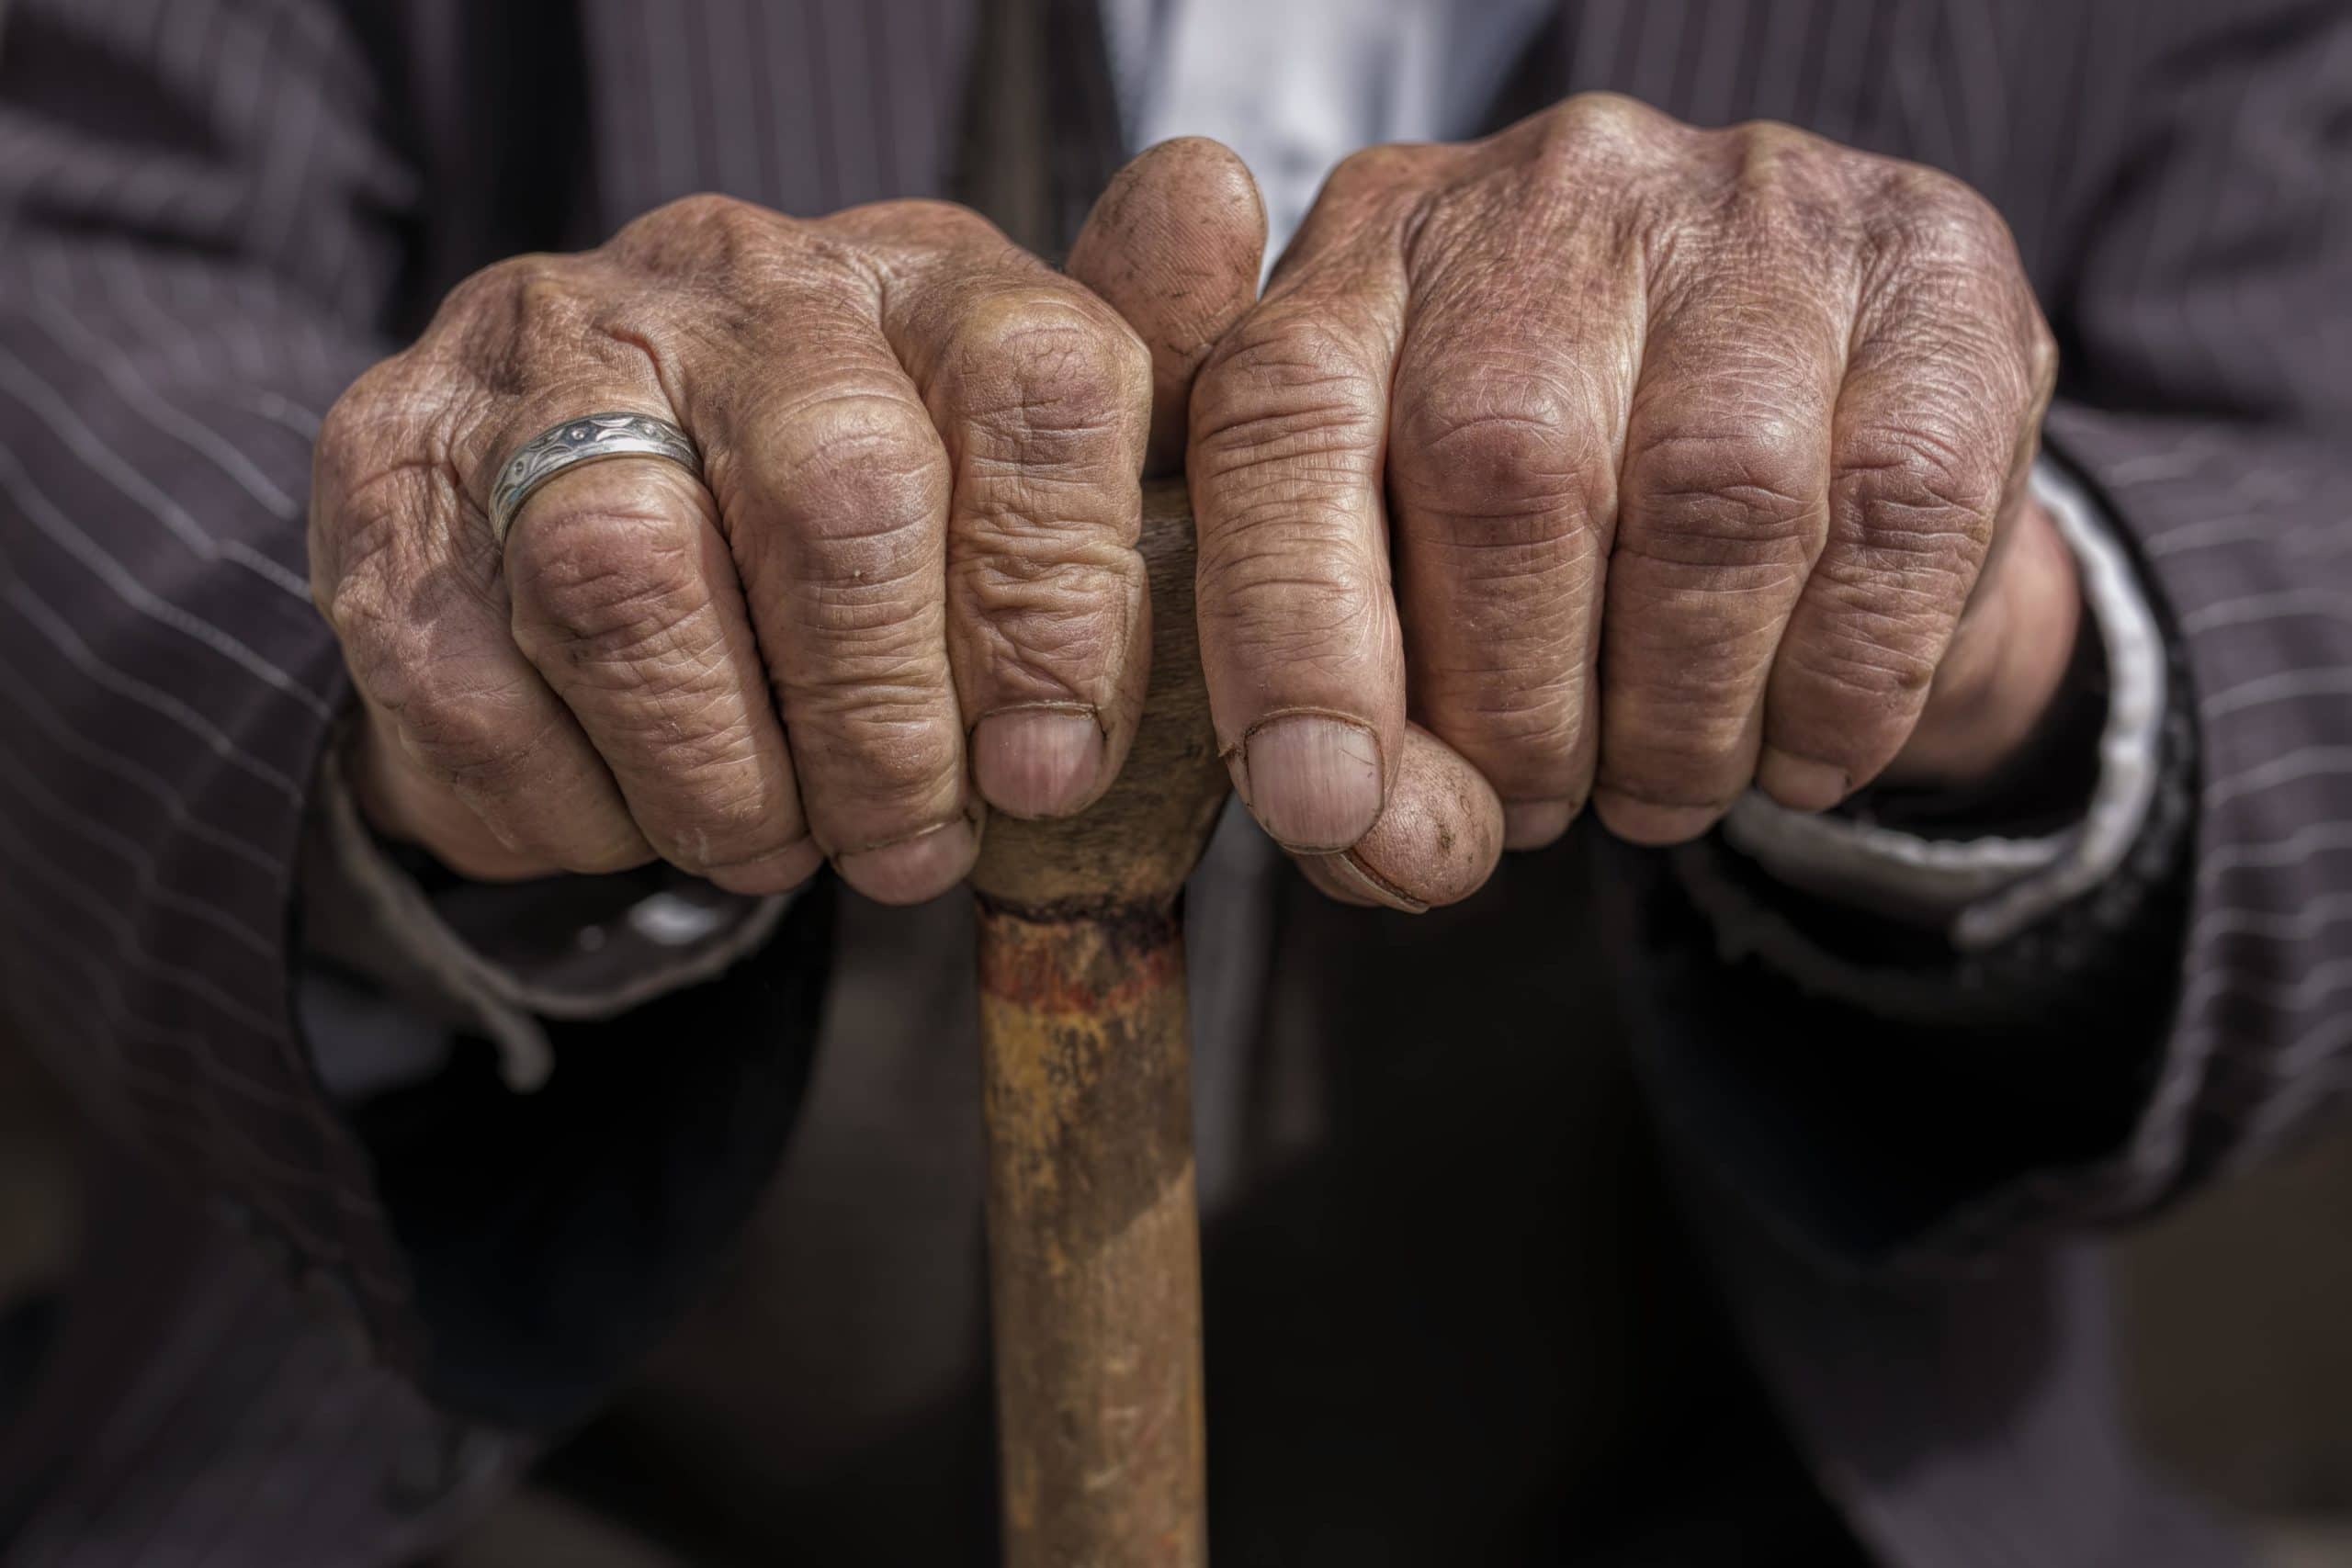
[1639,464]
[908,588]
[1604,460]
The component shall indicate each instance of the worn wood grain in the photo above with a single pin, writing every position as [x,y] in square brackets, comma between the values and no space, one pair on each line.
[1093,1235]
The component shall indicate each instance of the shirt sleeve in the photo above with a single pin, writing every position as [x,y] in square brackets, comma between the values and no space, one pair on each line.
[499,960]
[1980,889]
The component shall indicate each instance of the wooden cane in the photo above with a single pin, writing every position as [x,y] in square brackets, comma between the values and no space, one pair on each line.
[1093,1238]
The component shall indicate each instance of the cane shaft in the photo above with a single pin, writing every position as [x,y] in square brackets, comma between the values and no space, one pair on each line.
[1093,1245]
[1093,1240]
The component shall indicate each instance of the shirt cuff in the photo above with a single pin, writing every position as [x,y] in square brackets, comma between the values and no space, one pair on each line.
[498,958]
[1981,891]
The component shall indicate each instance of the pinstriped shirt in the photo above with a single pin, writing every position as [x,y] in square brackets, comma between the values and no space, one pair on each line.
[206,240]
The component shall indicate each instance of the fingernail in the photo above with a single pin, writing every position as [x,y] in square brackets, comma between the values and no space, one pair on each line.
[1649,822]
[1313,781]
[1354,874]
[1532,824]
[1800,782]
[1037,762]
[908,871]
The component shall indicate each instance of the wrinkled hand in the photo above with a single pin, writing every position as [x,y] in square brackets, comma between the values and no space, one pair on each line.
[1638,463]
[906,587]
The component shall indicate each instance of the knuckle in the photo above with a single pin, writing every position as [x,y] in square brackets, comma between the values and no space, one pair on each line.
[604,583]
[727,222]
[1371,170]
[1292,602]
[1609,127]
[1052,631]
[1523,734]
[1750,486]
[728,817]
[887,743]
[1293,387]
[535,287]
[1038,369]
[1931,217]
[913,221]
[853,445]
[1491,439]
[851,468]
[1869,663]
[1673,753]
[471,736]
[1922,492]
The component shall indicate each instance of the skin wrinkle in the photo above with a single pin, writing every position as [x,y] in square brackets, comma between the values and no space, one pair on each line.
[1808,378]
[1775,285]
[699,311]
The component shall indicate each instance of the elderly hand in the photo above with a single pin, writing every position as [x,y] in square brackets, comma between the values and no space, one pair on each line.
[1640,464]
[913,538]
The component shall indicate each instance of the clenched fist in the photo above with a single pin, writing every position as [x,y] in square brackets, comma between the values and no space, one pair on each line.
[1637,462]
[905,587]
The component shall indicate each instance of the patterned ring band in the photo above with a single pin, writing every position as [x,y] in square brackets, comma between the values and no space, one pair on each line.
[592,438]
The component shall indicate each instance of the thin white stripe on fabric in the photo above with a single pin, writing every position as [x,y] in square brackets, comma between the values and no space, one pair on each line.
[146,875]
[2311,838]
[117,1013]
[2256,609]
[2328,680]
[128,941]
[2305,991]
[78,653]
[54,407]
[2316,760]
[301,423]
[76,542]
[66,737]
[219,1139]
[2302,924]
[2199,447]
[192,433]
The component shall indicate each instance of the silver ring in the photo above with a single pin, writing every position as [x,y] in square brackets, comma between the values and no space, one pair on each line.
[592,438]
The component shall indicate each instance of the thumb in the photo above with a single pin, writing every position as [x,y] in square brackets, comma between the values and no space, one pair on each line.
[1439,837]
[1174,244]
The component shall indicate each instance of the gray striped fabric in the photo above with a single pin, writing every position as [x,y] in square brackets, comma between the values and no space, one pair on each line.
[209,206]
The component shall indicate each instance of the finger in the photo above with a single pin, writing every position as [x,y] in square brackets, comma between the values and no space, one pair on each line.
[626,601]
[408,577]
[832,488]
[1509,412]
[1935,433]
[1300,643]
[1175,244]
[1723,509]
[1436,843]
[1044,397]
[398,799]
